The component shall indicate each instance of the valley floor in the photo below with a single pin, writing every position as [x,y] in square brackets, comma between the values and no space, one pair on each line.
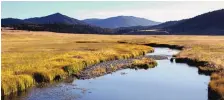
[31,57]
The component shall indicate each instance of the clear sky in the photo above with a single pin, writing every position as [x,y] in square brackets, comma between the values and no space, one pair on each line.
[157,10]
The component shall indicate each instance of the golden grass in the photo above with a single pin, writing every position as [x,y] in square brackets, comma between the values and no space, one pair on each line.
[209,49]
[144,63]
[52,54]
[30,57]
[217,83]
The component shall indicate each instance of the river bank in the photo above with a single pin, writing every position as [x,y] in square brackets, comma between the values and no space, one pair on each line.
[141,83]
[47,53]
[215,87]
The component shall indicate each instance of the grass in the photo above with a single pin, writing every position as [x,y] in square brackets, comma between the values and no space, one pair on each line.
[35,57]
[209,49]
[144,63]
[52,54]
[217,84]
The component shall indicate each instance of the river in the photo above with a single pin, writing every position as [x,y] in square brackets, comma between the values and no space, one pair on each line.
[167,81]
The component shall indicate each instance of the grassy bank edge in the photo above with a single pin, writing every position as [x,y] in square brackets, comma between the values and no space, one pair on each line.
[135,63]
[24,81]
[215,91]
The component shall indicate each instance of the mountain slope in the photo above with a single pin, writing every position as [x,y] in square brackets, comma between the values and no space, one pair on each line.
[120,21]
[92,20]
[50,19]
[145,29]
[165,24]
[54,23]
[211,23]
[54,18]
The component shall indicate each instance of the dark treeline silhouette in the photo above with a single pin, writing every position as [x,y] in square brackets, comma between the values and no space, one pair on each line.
[62,28]
[127,30]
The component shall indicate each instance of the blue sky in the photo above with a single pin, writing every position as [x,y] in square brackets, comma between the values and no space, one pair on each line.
[157,10]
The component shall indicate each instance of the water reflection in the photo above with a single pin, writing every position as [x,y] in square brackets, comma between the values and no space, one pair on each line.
[169,80]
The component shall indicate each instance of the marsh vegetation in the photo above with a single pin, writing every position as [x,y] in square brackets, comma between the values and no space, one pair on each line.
[145,83]
[29,58]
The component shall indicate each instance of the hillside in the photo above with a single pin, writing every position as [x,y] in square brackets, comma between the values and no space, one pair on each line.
[54,23]
[54,18]
[121,21]
[50,19]
[92,20]
[211,23]
[165,24]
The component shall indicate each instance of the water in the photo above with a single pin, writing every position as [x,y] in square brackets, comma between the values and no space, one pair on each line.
[167,81]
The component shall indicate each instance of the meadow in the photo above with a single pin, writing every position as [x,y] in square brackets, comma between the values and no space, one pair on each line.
[30,57]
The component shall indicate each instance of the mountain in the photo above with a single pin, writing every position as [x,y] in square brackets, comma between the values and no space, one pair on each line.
[54,23]
[211,23]
[50,19]
[121,21]
[165,24]
[92,20]
[54,18]
[146,29]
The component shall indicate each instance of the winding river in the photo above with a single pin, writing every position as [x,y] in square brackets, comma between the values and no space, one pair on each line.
[167,81]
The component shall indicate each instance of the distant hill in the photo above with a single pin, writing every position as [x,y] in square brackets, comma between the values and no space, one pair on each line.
[138,28]
[165,24]
[146,29]
[54,18]
[211,23]
[54,23]
[92,20]
[121,21]
[50,19]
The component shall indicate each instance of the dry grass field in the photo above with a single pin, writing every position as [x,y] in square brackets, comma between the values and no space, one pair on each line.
[30,57]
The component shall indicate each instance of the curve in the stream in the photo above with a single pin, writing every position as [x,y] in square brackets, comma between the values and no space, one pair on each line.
[169,80]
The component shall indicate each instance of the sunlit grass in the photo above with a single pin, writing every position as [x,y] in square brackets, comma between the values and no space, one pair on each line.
[54,54]
[28,58]
[144,63]
[217,83]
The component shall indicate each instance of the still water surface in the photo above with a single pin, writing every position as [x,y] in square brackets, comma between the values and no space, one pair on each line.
[167,81]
